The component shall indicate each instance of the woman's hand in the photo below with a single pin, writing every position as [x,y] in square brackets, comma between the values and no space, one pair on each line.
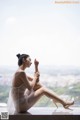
[36,76]
[36,63]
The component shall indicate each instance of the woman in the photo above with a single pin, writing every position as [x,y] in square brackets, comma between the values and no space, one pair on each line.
[26,91]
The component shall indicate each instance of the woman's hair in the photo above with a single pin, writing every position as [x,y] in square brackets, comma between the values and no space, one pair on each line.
[20,58]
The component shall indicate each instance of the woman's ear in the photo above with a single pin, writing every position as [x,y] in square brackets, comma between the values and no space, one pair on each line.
[23,60]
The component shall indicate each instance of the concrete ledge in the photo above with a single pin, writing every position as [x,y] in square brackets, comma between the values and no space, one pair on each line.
[47,113]
[44,117]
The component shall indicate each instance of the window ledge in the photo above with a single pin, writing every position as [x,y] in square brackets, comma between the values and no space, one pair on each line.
[47,113]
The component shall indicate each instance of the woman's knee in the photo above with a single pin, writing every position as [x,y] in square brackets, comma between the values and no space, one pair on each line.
[37,86]
[43,90]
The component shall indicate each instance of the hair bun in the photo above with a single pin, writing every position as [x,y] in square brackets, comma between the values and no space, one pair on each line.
[18,55]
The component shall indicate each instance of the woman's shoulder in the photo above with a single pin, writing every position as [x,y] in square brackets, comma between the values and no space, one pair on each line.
[19,73]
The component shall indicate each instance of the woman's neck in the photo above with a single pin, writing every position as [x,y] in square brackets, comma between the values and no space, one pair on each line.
[22,67]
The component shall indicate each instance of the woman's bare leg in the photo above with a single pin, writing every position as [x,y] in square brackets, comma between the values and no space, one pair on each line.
[40,91]
[37,86]
[44,91]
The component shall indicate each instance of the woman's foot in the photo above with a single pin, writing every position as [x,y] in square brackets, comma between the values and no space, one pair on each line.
[68,104]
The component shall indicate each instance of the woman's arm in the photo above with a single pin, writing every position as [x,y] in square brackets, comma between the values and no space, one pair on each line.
[30,78]
[36,63]
[36,77]
[24,78]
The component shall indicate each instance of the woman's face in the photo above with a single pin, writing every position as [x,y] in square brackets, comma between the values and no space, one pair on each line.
[28,62]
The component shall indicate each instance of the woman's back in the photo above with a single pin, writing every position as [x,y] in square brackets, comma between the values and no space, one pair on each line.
[18,92]
[17,81]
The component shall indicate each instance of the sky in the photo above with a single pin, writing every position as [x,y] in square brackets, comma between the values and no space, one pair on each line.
[45,30]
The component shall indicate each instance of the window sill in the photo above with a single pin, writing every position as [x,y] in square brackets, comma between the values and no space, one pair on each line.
[47,113]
